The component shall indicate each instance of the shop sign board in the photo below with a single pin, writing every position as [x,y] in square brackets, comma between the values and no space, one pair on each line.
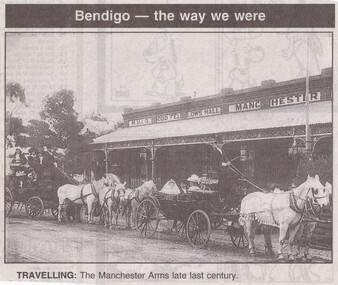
[245,106]
[168,117]
[204,112]
[295,99]
[140,122]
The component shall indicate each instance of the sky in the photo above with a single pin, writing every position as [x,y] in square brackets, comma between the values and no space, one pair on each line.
[112,71]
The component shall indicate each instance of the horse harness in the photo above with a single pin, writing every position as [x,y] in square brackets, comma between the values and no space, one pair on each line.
[130,198]
[115,201]
[294,206]
[314,214]
[94,192]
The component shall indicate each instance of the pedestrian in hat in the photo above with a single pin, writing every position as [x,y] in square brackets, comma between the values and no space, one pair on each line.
[219,162]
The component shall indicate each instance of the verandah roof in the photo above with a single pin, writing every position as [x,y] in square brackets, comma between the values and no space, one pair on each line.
[289,116]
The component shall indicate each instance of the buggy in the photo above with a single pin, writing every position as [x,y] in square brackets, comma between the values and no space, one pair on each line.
[36,194]
[194,214]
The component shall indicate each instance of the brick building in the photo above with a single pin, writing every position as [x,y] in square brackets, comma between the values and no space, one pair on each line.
[266,124]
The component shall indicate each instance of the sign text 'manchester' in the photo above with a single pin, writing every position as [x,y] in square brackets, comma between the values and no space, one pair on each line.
[238,107]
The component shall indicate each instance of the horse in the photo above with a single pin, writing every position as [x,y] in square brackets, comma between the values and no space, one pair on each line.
[133,198]
[308,225]
[125,204]
[109,198]
[81,195]
[282,210]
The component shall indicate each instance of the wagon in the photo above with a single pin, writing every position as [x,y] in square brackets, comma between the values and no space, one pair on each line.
[194,214]
[34,195]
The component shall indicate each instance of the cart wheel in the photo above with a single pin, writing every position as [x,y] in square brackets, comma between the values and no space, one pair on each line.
[55,212]
[198,229]
[237,235]
[181,229]
[34,207]
[9,202]
[147,218]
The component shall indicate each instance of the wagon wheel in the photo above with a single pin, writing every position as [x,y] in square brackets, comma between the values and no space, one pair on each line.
[9,202]
[181,229]
[55,212]
[237,235]
[34,207]
[198,229]
[147,217]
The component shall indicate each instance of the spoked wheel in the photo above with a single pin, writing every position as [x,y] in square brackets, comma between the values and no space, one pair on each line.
[34,207]
[198,229]
[55,212]
[181,229]
[237,235]
[9,202]
[147,218]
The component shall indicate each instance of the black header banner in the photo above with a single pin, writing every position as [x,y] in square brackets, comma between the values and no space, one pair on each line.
[171,16]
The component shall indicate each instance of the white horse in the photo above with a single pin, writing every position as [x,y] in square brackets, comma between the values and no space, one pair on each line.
[283,210]
[132,199]
[307,227]
[125,204]
[86,194]
[110,197]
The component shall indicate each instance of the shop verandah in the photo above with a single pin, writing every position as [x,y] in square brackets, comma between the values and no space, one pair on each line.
[267,156]
[268,143]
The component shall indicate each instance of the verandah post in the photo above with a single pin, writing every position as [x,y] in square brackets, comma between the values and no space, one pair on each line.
[106,160]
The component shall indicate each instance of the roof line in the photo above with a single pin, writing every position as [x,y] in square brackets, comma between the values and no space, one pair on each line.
[230,93]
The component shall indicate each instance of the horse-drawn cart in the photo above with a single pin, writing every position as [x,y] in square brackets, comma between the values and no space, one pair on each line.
[35,194]
[194,214]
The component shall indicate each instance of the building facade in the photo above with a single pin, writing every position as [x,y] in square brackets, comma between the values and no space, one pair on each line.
[263,130]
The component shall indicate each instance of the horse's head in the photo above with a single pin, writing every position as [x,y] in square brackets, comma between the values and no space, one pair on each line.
[106,180]
[128,194]
[120,189]
[317,192]
[328,192]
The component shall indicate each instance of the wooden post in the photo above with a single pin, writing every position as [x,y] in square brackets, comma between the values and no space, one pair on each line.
[106,158]
[307,101]
[153,153]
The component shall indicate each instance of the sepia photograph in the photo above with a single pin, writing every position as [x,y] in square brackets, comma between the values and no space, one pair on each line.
[168,147]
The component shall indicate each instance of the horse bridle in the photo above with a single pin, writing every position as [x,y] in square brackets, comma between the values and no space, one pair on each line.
[309,203]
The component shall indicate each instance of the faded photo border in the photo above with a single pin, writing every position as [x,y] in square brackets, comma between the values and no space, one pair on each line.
[248,273]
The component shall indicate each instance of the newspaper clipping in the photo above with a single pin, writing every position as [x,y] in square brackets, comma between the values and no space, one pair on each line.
[167,142]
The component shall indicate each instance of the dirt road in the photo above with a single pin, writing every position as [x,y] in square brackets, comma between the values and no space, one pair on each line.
[46,240]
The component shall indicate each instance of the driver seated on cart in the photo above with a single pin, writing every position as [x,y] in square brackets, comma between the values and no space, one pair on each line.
[49,163]
[219,163]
